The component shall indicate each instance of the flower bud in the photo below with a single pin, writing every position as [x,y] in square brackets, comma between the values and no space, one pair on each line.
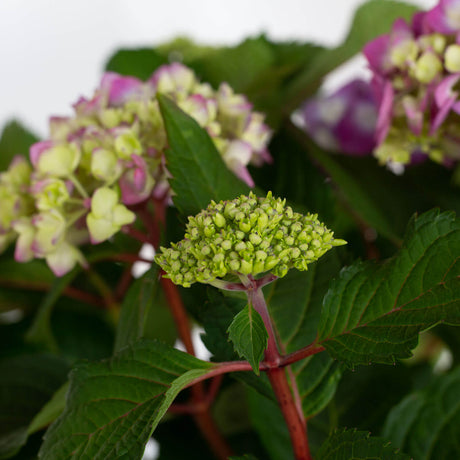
[245,243]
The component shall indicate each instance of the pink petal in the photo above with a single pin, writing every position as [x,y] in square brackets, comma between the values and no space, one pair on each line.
[37,149]
[443,17]
[120,89]
[385,112]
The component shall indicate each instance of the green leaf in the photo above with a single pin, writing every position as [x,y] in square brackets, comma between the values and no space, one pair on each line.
[14,140]
[270,426]
[140,63]
[27,382]
[199,173]
[295,304]
[288,178]
[225,64]
[82,331]
[373,18]
[50,411]
[216,315]
[365,395]
[354,193]
[374,312]
[22,284]
[144,313]
[249,336]
[344,444]
[426,423]
[114,405]
[40,332]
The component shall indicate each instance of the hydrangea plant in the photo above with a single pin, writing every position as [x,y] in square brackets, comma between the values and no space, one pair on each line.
[157,227]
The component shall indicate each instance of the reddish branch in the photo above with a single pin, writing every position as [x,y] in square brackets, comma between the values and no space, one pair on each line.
[301,354]
[294,418]
[69,291]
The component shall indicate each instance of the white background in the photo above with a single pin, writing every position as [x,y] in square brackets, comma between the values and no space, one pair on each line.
[53,51]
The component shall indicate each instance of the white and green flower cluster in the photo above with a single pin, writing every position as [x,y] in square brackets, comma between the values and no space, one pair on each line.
[15,198]
[245,236]
[109,157]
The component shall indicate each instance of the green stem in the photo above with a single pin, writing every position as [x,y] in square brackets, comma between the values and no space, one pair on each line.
[78,186]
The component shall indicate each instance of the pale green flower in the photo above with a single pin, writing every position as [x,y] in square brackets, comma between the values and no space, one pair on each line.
[107,215]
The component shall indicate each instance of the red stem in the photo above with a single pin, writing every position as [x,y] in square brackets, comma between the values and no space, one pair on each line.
[296,425]
[69,291]
[301,354]
[178,311]
[136,234]
[294,418]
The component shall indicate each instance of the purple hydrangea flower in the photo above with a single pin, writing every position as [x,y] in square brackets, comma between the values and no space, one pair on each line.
[344,121]
[416,82]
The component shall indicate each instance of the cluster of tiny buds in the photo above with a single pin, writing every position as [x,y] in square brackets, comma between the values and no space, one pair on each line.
[245,236]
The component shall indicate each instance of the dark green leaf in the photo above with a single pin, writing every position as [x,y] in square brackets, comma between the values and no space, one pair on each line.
[199,173]
[270,425]
[295,304]
[144,313]
[225,65]
[14,140]
[216,315]
[249,336]
[140,63]
[365,396]
[373,313]
[50,411]
[40,332]
[27,382]
[114,405]
[426,424]
[358,445]
[22,284]
[82,331]
[297,179]
[354,193]
[373,18]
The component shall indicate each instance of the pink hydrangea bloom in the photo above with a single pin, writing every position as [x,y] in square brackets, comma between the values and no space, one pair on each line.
[416,74]
[108,157]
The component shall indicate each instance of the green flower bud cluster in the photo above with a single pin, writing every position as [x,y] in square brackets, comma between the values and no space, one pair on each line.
[245,236]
